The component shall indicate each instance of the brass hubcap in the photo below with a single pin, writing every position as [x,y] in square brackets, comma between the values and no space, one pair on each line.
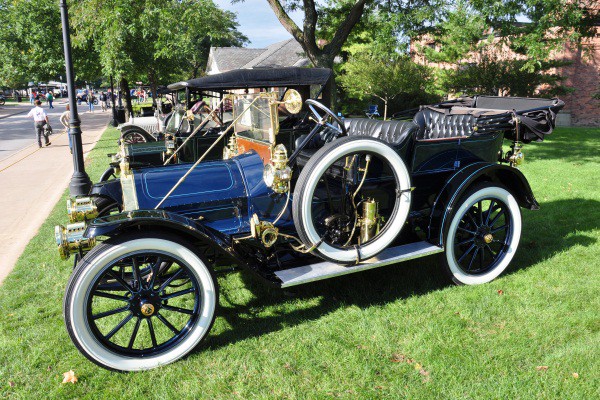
[488,238]
[147,309]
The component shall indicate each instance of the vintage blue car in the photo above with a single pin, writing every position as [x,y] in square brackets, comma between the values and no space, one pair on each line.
[348,196]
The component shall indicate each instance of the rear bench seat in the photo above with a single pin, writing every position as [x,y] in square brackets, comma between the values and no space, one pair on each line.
[393,132]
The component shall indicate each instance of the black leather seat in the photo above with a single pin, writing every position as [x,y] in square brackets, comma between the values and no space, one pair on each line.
[434,124]
[392,132]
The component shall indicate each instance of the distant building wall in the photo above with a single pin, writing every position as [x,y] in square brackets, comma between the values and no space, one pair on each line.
[583,75]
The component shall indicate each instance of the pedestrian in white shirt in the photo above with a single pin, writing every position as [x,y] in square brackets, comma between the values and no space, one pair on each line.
[40,119]
[64,120]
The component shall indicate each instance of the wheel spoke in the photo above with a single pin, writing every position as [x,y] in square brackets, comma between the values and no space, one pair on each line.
[110,312]
[465,242]
[480,212]
[468,213]
[177,309]
[180,293]
[110,296]
[155,268]
[481,256]
[118,327]
[167,324]
[490,210]
[152,334]
[171,278]
[496,217]
[137,275]
[466,230]
[466,252]
[472,259]
[134,333]
[120,281]
[490,249]
[499,228]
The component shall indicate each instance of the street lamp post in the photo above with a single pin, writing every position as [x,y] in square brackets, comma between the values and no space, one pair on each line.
[80,181]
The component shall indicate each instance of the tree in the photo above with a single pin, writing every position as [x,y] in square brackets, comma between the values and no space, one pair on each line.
[508,77]
[188,46]
[368,76]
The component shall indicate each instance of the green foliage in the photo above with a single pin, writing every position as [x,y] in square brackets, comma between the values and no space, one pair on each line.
[30,42]
[366,76]
[492,76]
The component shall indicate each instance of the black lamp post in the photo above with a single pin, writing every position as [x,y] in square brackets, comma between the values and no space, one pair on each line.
[80,181]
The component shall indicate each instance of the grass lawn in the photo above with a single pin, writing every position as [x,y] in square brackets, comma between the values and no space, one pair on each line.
[400,331]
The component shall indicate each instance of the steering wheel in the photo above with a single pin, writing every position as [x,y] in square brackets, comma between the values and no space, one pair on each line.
[327,119]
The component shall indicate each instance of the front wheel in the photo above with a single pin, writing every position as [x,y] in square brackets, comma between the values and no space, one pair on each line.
[483,235]
[2,102]
[139,302]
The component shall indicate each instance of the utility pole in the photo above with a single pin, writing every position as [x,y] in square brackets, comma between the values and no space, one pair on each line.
[80,181]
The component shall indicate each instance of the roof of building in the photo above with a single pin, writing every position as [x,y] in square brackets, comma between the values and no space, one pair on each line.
[287,53]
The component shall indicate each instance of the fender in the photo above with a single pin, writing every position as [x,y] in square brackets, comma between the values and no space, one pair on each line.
[164,221]
[109,189]
[461,181]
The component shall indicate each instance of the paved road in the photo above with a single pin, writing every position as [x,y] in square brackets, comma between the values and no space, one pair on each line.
[32,179]
[16,131]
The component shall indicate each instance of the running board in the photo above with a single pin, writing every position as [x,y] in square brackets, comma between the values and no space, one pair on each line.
[327,269]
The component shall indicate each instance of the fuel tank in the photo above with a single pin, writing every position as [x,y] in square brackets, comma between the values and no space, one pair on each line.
[222,194]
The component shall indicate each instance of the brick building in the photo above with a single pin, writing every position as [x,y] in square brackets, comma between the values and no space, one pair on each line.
[583,75]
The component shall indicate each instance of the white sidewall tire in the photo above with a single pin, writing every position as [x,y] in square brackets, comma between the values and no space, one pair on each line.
[458,275]
[305,205]
[77,303]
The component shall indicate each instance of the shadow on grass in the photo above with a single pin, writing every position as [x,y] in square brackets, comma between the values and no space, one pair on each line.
[401,281]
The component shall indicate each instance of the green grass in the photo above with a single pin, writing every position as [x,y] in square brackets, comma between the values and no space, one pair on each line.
[396,332]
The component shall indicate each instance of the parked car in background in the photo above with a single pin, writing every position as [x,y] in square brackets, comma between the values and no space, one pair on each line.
[347,196]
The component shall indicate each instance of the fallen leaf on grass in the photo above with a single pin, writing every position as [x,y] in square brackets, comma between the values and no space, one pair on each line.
[542,368]
[575,375]
[69,376]
[11,384]
[500,292]
[379,387]
[398,357]
[417,366]
[361,347]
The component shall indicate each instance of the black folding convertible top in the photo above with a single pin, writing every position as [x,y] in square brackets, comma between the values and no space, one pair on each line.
[257,78]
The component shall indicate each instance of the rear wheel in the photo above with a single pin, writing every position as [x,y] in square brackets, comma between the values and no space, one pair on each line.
[133,136]
[483,235]
[140,301]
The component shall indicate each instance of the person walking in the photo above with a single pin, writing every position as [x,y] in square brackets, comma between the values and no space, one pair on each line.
[64,120]
[40,118]
[50,99]
[90,101]
[31,97]
[103,98]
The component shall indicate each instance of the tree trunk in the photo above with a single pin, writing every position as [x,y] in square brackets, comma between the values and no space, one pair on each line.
[153,87]
[385,103]
[125,92]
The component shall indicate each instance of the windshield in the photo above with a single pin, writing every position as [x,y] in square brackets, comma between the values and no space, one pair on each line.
[257,114]
[178,119]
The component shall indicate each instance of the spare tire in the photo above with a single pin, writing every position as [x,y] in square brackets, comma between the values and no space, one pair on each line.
[319,169]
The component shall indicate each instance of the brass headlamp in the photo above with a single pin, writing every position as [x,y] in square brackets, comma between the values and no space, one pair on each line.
[81,209]
[277,174]
[70,239]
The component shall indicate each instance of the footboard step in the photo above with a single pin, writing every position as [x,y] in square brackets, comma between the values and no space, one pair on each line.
[327,269]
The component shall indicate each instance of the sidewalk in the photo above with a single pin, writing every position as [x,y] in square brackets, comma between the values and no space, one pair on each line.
[33,180]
